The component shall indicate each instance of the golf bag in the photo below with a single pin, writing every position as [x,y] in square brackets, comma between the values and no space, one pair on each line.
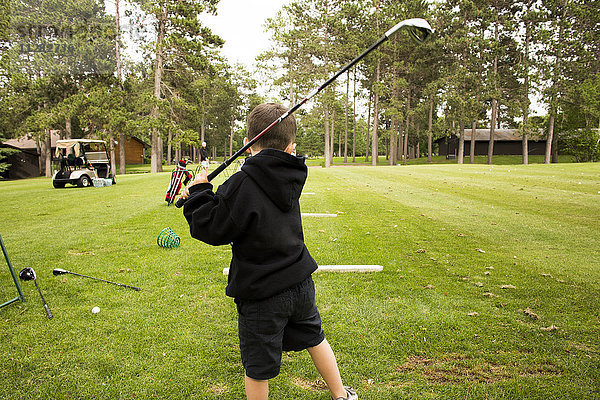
[181,175]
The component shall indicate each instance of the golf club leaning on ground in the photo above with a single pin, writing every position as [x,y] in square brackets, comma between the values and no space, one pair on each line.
[418,28]
[28,274]
[60,271]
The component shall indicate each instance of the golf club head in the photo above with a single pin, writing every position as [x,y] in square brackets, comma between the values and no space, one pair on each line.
[27,274]
[418,28]
[58,271]
[419,34]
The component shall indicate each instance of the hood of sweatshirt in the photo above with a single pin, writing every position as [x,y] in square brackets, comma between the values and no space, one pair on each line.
[279,174]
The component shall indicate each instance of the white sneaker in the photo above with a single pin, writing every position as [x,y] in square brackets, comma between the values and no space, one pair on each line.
[351,394]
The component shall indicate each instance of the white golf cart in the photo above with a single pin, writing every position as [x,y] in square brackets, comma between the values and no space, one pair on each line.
[80,161]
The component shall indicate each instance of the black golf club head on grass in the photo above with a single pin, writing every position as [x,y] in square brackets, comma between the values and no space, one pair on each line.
[418,28]
[28,274]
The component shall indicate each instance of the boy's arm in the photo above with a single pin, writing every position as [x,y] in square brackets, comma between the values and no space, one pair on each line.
[207,214]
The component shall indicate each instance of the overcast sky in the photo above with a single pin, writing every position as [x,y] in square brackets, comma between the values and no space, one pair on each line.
[240,24]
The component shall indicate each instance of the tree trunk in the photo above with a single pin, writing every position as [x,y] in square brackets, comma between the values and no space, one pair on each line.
[203,122]
[113,158]
[48,153]
[332,132]
[461,142]
[122,144]
[346,109]
[473,142]
[120,78]
[399,150]
[494,104]
[549,138]
[231,135]
[555,149]
[327,153]
[492,131]
[40,151]
[368,127]
[406,130]
[68,128]
[118,42]
[375,139]
[525,144]
[354,119]
[169,147]
[290,73]
[393,142]
[156,154]
[430,133]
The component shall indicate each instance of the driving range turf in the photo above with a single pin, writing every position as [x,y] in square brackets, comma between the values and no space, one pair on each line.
[490,288]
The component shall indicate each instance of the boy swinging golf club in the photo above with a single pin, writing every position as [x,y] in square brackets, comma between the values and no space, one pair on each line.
[257,211]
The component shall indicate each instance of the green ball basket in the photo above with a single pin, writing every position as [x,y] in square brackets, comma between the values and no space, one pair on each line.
[167,239]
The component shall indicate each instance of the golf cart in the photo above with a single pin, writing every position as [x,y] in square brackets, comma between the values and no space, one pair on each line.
[80,161]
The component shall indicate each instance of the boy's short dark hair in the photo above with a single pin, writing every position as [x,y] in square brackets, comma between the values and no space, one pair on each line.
[281,135]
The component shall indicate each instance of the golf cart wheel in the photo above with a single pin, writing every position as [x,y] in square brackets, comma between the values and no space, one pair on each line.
[84,181]
[58,185]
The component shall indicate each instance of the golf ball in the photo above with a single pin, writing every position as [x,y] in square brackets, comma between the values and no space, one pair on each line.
[95,310]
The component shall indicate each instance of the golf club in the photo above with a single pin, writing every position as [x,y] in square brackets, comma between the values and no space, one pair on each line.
[28,274]
[419,30]
[60,271]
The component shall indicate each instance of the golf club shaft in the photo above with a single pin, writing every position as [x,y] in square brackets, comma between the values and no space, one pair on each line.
[48,313]
[181,201]
[103,280]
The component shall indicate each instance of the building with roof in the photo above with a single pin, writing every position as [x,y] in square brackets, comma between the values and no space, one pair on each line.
[25,163]
[506,142]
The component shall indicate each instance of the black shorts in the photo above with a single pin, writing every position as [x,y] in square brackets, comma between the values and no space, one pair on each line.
[288,321]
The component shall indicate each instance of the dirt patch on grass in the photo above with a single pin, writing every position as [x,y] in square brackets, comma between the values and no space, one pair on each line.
[218,389]
[81,253]
[414,363]
[545,369]
[462,368]
[315,385]
[459,373]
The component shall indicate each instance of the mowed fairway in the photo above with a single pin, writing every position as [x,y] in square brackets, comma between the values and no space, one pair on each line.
[490,288]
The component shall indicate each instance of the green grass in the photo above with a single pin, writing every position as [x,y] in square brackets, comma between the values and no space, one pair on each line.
[436,323]
[360,160]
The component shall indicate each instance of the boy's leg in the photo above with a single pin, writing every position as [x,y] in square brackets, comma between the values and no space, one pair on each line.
[324,360]
[255,389]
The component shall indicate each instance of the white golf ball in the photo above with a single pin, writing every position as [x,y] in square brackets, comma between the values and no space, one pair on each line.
[95,310]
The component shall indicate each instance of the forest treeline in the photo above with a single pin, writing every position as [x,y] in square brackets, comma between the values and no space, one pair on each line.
[64,68]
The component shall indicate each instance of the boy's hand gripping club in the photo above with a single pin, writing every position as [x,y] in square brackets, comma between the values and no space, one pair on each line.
[418,28]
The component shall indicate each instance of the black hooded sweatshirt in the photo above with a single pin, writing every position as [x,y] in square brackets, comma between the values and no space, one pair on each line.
[257,210]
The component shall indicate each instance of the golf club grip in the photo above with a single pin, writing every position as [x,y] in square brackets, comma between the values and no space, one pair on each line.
[181,201]
[48,311]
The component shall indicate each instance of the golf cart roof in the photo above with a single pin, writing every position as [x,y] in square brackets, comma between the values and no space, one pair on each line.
[68,143]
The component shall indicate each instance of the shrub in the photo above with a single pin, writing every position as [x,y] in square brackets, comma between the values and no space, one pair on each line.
[583,144]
